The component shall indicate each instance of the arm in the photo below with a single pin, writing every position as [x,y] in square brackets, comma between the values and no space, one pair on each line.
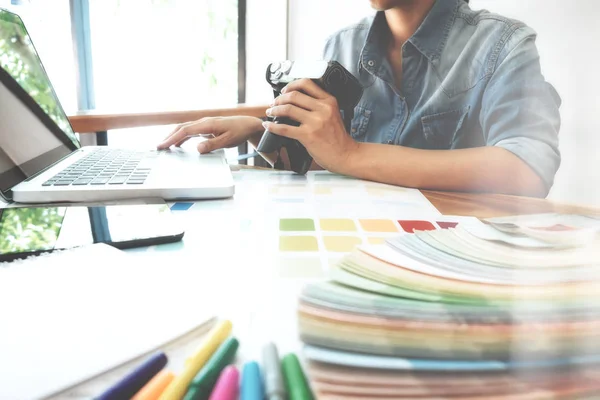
[519,116]
[483,169]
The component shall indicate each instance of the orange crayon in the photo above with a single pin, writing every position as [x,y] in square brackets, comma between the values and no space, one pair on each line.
[155,387]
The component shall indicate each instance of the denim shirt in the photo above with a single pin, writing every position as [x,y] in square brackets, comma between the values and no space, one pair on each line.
[470,79]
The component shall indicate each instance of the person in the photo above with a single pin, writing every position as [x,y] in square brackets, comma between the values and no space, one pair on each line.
[454,99]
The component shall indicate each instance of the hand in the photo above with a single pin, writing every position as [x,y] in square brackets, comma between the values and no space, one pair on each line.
[321,128]
[226,132]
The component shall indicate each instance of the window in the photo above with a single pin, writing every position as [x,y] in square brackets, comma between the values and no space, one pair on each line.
[164,54]
[160,55]
[146,55]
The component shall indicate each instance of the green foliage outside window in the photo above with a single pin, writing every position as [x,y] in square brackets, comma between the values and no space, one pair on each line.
[20,229]
[19,58]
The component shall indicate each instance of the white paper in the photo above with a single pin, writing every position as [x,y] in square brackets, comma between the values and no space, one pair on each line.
[71,315]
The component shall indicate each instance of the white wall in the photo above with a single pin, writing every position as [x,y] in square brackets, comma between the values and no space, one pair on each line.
[266,28]
[568,42]
[312,21]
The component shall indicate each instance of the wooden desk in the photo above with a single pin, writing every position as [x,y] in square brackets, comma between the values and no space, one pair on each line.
[259,301]
[496,205]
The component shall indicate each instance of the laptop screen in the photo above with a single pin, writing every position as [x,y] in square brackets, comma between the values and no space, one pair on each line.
[34,129]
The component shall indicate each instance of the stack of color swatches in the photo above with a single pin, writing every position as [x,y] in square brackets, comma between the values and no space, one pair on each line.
[506,309]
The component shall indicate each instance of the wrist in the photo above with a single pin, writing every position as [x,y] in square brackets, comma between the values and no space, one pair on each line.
[349,164]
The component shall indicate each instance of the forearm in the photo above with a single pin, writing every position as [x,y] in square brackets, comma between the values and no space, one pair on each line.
[483,169]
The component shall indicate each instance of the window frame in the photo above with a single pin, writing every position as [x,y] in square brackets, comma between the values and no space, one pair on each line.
[80,30]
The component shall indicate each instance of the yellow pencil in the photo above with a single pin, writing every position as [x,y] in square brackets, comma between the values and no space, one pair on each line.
[176,390]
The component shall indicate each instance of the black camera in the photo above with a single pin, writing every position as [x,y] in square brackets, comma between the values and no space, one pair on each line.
[329,75]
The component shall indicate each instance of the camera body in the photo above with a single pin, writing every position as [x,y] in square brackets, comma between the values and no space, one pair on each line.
[329,75]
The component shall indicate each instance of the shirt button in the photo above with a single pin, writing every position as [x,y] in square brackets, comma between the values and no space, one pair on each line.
[389,142]
[353,130]
[371,63]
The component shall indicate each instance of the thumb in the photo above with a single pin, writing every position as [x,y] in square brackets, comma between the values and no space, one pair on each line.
[209,145]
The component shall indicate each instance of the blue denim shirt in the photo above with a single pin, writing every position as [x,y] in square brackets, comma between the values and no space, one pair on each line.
[470,79]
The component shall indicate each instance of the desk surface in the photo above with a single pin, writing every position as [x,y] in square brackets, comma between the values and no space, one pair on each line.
[241,278]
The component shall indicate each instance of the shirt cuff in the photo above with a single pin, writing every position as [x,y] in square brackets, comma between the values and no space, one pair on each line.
[541,157]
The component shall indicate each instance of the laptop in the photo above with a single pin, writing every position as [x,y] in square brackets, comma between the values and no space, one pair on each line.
[42,160]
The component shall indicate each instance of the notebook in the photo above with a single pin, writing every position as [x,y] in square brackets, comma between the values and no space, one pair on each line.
[71,315]
[41,159]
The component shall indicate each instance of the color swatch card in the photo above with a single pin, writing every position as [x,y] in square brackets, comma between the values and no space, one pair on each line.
[300,224]
[323,241]
[465,299]
[319,191]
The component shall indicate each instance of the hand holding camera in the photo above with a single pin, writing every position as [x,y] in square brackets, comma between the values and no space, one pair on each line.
[314,92]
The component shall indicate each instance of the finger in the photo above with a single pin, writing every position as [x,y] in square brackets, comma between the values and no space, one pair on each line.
[205,136]
[209,145]
[203,126]
[289,111]
[178,136]
[307,86]
[175,130]
[282,129]
[298,99]
[182,141]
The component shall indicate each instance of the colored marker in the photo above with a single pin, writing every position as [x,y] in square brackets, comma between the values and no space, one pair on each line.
[274,385]
[155,387]
[136,379]
[294,378]
[252,387]
[204,382]
[214,338]
[226,387]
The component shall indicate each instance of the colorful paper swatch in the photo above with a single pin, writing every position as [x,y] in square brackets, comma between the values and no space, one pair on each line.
[447,225]
[378,225]
[337,225]
[298,243]
[411,226]
[341,243]
[181,206]
[296,225]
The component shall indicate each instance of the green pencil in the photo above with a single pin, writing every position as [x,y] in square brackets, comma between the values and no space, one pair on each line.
[295,380]
[202,384]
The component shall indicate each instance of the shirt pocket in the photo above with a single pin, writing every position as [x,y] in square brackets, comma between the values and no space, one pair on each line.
[360,122]
[441,129]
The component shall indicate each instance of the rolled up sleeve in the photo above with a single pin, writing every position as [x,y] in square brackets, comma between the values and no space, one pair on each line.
[520,110]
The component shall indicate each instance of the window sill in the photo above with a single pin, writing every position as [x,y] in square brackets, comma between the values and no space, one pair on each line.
[96,121]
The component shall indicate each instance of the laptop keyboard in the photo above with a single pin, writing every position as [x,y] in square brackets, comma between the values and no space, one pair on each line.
[106,167]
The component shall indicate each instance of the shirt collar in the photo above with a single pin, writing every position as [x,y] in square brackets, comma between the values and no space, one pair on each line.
[429,39]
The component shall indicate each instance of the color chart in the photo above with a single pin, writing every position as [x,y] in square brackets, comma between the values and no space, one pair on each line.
[303,224]
[310,245]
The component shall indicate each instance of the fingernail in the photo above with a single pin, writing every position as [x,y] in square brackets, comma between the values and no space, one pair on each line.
[284,89]
[269,111]
[202,148]
[265,124]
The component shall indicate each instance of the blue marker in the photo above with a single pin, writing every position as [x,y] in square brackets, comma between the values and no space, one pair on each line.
[252,385]
[136,379]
